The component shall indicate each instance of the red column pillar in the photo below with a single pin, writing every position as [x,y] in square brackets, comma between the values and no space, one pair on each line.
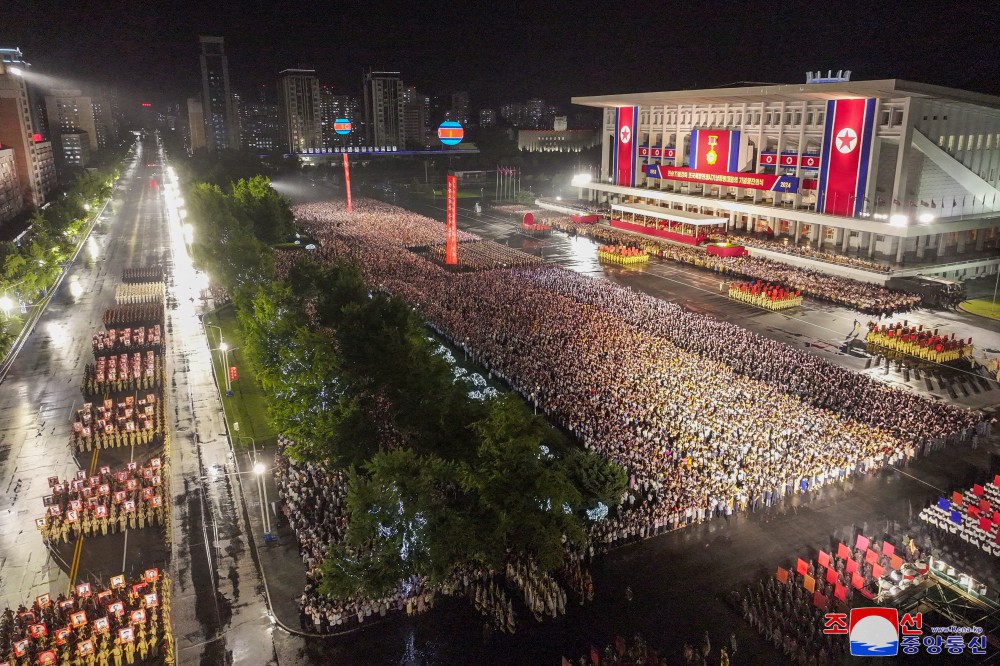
[347,182]
[451,242]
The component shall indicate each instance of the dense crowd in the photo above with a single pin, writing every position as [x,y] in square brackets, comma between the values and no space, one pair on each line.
[807,252]
[862,296]
[117,341]
[706,417]
[313,500]
[96,625]
[487,255]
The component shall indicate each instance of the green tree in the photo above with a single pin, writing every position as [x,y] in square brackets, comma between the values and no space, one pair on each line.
[263,209]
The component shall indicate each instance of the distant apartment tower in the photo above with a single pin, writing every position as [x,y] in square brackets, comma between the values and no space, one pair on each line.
[513,113]
[414,118]
[75,144]
[105,124]
[460,107]
[536,109]
[384,109]
[221,124]
[71,120]
[259,127]
[333,106]
[196,125]
[487,117]
[299,115]
[33,159]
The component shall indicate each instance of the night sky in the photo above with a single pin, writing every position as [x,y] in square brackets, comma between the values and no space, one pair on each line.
[508,50]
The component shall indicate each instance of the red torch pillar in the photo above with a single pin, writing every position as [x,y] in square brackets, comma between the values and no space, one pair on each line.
[451,238]
[347,182]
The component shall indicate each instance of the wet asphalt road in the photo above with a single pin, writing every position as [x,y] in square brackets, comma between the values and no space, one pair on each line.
[219,613]
[682,580]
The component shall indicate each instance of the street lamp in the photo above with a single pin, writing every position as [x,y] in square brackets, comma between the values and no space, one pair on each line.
[259,470]
[6,304]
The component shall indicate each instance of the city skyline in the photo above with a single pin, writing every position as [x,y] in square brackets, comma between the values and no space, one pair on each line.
[558,52]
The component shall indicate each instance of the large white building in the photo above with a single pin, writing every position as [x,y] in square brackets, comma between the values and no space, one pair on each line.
[891,168]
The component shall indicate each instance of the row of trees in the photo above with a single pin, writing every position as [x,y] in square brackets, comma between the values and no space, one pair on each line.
[30,267]
[436,479]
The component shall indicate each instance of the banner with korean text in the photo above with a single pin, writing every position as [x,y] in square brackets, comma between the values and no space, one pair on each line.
[753,181]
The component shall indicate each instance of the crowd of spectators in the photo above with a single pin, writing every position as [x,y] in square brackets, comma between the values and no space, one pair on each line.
[706,417]
[808,252]
[863,296]
[486,255]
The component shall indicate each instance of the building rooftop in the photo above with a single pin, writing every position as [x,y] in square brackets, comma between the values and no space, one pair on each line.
[879,88]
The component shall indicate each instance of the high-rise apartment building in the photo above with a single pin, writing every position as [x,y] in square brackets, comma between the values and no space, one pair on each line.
[536,109]
[221,124]
[75,145]
[259,127]
[414,118]
[514,114]
[105,123]
[384,109]
[460,107]
[299,113]
[33,160]
[487,117]
[333,106]
[71,119]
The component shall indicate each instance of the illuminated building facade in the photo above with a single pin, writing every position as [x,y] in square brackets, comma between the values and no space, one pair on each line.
[886,168]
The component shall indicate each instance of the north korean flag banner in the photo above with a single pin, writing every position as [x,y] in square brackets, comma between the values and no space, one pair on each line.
[625,149]
[768,159]
[846,155]
[810,161]
[715,151]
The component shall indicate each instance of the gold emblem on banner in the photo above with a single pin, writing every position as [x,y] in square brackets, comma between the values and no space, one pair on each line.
[711,156]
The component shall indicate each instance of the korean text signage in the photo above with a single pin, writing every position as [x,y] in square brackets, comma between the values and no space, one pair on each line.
[451,234]
[715,151]
[880,632]
[846,156]
[625,149]
[753,181]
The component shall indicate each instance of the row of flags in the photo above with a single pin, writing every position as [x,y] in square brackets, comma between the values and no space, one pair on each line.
[932,203]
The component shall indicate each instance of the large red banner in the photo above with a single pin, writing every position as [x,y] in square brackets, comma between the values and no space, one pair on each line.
[347,182]
[753,181]
[847,141]
[715,151]
[451,237]
[232,373]
[625,150]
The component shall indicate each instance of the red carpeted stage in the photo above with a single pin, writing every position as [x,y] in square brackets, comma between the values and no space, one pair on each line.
[727,250]
[657,233]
